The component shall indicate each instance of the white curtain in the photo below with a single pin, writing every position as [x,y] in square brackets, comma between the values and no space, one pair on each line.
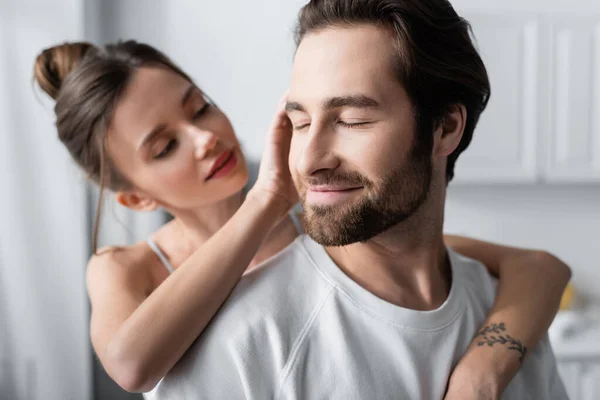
[45,218]
[43,229]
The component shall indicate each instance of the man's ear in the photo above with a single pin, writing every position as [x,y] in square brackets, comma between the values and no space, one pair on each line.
[450,131]
[136,201]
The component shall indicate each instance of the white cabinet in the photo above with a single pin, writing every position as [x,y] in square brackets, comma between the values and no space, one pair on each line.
[542,123]
[574,134]
[581,378]
[504,145]
[590,382]
[570,372]
[578,356]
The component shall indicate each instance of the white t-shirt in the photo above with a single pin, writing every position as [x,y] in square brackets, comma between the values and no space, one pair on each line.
[299,328]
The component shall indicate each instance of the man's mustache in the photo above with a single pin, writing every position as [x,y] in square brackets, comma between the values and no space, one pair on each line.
[339,179]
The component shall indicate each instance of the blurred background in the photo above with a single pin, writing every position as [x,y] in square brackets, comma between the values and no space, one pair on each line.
[530,178]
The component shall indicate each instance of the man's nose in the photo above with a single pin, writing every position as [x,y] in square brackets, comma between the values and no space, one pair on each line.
[318,151]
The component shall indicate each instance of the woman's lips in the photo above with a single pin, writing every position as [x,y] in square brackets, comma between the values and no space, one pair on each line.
[223,165]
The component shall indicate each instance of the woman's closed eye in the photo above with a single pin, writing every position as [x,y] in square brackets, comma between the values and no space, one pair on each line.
[166,150]
[201,111]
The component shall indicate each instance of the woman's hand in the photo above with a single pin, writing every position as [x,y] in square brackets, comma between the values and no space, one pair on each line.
[469,393]
[274,178]
[470,385]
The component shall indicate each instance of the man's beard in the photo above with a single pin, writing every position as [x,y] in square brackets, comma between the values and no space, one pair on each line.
[392,200]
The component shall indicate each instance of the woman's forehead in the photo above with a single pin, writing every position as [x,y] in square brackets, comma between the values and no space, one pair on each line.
[150,98]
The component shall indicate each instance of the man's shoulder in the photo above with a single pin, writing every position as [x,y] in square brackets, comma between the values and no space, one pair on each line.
[472,268]
[288,281]
[270,306]
[474,280]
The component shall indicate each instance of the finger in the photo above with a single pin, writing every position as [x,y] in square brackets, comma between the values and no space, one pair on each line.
[284,97]
[282,103]
[280,119]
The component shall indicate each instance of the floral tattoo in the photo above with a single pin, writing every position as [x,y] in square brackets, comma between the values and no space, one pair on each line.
[496,334]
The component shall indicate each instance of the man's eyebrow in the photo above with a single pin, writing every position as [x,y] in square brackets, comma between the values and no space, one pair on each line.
[294,106]
[353,101]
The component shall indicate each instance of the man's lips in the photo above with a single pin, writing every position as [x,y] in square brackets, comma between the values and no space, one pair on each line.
[331,188]
[329,194]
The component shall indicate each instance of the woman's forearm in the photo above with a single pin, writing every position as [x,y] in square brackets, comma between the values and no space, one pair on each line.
[531,284]
[163,327]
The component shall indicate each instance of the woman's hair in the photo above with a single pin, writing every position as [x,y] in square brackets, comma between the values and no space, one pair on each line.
[436,60]
[87,82]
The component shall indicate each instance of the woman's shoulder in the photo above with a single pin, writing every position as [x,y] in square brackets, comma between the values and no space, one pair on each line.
[133,256]
[121,265]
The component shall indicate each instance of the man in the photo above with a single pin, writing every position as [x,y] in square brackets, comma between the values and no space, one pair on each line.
[384,96]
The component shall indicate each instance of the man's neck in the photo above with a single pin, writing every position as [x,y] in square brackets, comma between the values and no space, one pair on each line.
[407,265]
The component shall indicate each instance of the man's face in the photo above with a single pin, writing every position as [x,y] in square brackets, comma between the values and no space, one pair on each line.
[353,158]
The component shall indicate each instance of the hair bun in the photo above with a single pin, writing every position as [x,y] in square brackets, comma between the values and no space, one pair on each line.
[54,64]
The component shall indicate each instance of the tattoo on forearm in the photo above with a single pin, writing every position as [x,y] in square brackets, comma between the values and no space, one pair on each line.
[496,333]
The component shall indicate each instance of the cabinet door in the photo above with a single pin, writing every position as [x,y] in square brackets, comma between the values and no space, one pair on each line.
[574,131]
[570,373]
[504,145]
[590,387]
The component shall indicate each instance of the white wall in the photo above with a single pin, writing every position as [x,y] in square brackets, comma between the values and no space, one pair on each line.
[563,219]
[43,235]
[241,53]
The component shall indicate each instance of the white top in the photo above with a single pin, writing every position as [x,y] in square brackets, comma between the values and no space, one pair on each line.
[297,327]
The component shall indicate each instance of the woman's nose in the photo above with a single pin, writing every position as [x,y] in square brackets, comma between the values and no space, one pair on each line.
[204,141]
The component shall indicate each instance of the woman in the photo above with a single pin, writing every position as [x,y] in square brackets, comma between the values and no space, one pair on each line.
[138,126]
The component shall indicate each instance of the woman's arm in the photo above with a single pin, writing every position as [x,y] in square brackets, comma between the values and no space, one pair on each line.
[139,338]
[531,284]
